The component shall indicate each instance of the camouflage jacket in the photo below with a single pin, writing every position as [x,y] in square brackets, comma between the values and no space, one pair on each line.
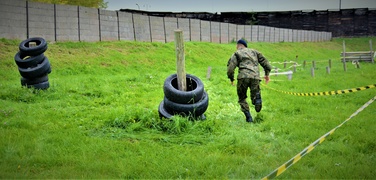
[247,60]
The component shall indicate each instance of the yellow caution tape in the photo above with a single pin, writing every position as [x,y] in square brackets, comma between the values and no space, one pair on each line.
[327,93]
[308,149]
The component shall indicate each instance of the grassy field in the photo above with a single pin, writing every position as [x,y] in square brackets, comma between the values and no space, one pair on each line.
[99,119]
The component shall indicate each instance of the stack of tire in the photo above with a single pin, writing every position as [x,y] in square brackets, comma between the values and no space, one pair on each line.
[33,66]
[191,103]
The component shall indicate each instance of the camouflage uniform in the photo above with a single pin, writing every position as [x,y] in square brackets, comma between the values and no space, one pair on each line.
[247,60]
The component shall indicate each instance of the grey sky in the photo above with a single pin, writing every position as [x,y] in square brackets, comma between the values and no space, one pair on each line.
[238,5]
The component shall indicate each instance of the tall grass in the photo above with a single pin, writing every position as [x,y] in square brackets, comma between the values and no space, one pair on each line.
[99,118]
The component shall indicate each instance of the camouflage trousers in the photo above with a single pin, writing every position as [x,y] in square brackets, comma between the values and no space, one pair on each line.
[242,87]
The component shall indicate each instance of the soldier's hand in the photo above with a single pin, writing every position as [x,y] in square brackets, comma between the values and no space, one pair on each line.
[267,79]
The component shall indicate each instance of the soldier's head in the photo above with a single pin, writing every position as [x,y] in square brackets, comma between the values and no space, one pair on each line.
[241,44]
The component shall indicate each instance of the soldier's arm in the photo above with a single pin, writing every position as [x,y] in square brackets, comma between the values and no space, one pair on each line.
[231,65]
[264,63]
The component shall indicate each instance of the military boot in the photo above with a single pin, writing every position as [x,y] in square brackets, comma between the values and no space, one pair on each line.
[257,102]
[248,116]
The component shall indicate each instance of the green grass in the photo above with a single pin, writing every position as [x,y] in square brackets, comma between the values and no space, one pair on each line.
[99,118]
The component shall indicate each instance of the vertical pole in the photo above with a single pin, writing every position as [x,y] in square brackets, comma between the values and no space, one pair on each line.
[180,60]
[328,70]
[284,64]
[304,63]
[344,56]
[312,72]
[330,63]
[314,64]
[295,67]
[344,51]
[371,52]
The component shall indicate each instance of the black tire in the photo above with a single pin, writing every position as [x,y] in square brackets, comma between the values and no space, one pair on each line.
[26,50]
[49,70]
[195,90]
[31,61]
[196,109]
[162,112]
[34,72]
[37,80]
[43,85]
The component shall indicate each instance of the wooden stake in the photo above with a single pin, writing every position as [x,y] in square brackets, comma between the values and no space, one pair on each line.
[330,63]
[314,64]
[312,72]
[284,64]
[328,70]
[208,73]
[295,67]
[304,63]
[180,60]
[344,51]
[344,65]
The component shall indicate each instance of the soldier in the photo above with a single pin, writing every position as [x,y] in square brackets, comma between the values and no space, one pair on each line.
[247,60]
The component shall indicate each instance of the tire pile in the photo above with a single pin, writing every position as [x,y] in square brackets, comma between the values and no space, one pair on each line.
[191,103]
[33,66]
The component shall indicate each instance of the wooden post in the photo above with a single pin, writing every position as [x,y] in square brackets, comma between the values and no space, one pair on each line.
[284,64]
[344,66]
[208,73]
[344,51]
[371,53]
[180,60]
[314,64]
[328,70]
[304,63]
[312,72]
[295,67]
[330,63]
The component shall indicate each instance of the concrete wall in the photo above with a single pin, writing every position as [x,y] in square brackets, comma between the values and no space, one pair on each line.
[232,32]
[240,31]
[171,24]
[272,34]
[21,19]
[205,31]
[267,34]
[254,35]
[67,23]
[224,33]
[195,30]
[142,28]
[11,26]
[248,32]
[126,29]
[183,24]
[261,33]
[157,29]
[215,32]
[41,22]
[109,25]
[89,24]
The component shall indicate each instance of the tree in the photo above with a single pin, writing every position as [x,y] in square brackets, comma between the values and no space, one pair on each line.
[86,3]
